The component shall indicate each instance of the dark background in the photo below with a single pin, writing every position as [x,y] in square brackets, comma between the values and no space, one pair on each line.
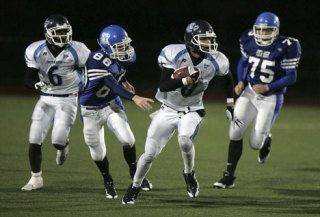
[154,24]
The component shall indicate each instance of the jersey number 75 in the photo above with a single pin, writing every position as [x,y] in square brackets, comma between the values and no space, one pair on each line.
[260,66]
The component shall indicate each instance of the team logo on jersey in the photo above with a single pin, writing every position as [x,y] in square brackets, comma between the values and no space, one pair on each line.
[105,38]
[264,54]
[65,56]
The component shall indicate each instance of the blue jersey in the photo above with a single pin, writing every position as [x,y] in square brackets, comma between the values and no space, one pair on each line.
[103,77]
[274,65]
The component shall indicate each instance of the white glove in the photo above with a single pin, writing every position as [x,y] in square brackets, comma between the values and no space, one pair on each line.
[41,86]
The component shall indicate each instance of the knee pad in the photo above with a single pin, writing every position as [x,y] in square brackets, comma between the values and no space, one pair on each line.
[185,143]
[97,153]
[256,141]
[152,150]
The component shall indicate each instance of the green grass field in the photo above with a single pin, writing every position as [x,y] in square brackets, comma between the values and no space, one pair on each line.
[287,185]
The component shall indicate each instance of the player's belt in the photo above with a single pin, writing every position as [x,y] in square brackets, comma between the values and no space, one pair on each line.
[59,95]
[184,112]
[95,107]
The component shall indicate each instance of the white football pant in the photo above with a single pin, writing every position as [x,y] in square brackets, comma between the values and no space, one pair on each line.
[162,127]
[56,112]
[93,129]
[261,110]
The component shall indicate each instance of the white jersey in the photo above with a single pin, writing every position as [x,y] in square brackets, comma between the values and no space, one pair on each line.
[175,56]
[62,73]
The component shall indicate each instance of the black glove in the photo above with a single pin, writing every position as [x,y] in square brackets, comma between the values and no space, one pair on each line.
[229,113]
[194,74]
[187,90]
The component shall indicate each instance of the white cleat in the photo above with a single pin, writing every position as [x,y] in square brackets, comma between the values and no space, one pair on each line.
[34,183]
[62,155]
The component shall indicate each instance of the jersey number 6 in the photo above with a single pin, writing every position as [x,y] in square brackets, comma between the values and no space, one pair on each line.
[54,79]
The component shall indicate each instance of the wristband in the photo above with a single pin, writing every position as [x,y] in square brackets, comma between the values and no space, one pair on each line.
[184,81]
[230,100]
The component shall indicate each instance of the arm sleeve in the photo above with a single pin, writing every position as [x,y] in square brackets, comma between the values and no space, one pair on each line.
[289,64]
[288,79]
[229,85]
[166,83]
[242,69]
[31,77]
[114,86]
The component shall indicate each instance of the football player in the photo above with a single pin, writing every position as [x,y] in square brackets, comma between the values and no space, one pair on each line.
[54,68]
[182,107]
[267,66]
[101,104]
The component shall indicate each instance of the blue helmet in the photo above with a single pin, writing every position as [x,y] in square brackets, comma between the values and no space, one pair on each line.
[115,42]
[266,28]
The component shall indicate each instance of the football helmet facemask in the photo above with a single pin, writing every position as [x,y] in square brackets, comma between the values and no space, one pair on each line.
[115,42]
[200,37]
[57,30]
[266,28]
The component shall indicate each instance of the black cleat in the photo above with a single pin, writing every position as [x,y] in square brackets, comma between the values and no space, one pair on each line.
[264,152]
[192,184]
[146,185]
[227,181]
[131,195]
[111,192]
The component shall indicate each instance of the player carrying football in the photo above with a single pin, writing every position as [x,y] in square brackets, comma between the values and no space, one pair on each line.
[182,106]
[267,66]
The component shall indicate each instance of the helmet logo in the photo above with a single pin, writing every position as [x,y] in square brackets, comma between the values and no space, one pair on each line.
[192,27]
[105,38]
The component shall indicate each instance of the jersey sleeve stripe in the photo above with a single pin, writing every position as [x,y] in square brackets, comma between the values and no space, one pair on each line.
[98,70]
[291,60]
[74,54]
[289,67]
[179,54]
[96,77]
[37,51]
[214,63]
[242,51]
[290,64]
[162,54]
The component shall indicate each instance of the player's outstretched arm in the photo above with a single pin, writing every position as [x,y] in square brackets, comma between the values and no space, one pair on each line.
[143,102]
[129,87]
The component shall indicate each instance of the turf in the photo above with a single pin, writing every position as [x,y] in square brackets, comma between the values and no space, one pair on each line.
[287,185]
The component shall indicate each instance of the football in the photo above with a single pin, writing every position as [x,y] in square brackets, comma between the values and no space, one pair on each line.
[181,72]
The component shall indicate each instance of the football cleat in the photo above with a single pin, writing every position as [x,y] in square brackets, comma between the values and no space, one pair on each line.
[34,183]
[131,195]
[146,185]
[62,155]
[227,181]
[111,192]
[192,184]
[264,152]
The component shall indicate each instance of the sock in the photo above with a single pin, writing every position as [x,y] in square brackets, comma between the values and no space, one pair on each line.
[129,154]
[188,160]
[35,157]
[234,154]
[104,169]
